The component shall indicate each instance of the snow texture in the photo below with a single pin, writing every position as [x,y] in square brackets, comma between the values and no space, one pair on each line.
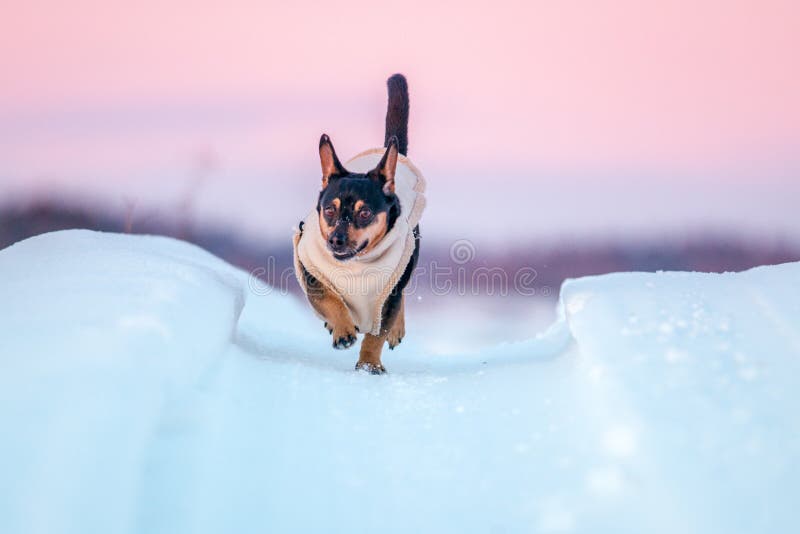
[147,386]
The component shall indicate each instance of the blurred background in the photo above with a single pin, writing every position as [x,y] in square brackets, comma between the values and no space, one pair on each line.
[565,138]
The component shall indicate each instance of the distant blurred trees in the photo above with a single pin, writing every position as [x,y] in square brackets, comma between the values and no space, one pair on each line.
[551,265]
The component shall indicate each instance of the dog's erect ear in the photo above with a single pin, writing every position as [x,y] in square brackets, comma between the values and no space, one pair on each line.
[331,168]
[387,166]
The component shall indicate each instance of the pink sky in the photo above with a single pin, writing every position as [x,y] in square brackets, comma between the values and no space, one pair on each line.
[595,96]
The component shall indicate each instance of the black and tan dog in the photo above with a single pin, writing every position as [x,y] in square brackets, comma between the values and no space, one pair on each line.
[355,253]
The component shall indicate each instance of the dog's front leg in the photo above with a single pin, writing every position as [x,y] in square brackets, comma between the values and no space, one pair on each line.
[369,359]
[329,305]
[398,329]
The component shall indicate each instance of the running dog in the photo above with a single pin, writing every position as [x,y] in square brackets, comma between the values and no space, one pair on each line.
[355,252]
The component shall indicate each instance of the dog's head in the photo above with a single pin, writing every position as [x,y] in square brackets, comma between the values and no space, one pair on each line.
[356,210]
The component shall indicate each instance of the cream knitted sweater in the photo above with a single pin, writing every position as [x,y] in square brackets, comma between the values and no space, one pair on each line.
[365,281]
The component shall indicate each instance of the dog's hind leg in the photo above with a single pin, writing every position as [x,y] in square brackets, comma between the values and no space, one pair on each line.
[392,330]
[369,359]
[393,320]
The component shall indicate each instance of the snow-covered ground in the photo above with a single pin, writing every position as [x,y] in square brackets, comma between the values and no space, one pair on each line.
[146,386]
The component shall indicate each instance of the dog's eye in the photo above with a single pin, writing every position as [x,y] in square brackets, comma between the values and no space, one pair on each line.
[365,214]
[330,211]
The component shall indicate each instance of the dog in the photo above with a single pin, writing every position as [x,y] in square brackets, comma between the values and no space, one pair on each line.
[355,253]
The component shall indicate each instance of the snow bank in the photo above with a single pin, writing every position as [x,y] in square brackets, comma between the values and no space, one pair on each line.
[146,386]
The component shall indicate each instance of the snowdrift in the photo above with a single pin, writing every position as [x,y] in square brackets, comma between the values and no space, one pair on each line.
[146,386]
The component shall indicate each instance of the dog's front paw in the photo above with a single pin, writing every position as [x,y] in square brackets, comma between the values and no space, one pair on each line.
[393,341]
[343,337]
[371,368]
[344,342]
[395,336]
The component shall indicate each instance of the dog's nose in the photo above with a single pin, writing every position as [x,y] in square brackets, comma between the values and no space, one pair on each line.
[337,240]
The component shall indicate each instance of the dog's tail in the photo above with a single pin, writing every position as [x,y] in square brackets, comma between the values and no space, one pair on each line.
[397,113]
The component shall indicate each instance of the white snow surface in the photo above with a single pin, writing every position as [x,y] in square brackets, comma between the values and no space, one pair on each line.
[147,386]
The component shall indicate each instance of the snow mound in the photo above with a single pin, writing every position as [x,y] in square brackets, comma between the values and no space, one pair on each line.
[147,386]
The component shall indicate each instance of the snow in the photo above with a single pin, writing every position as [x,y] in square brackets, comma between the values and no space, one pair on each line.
[147,386]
